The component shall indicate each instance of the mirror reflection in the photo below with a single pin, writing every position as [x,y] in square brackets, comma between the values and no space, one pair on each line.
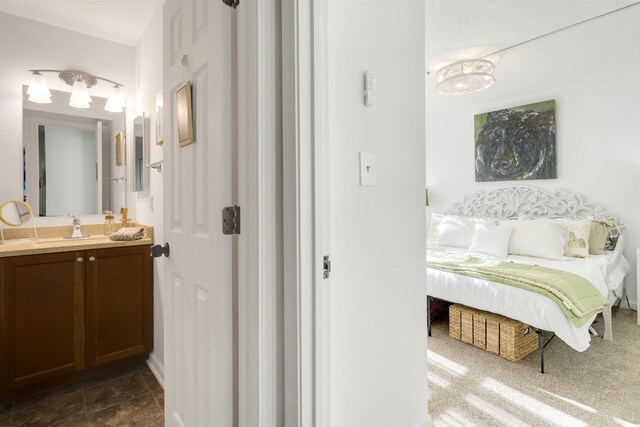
[15,213]
[141,144]
[68,156]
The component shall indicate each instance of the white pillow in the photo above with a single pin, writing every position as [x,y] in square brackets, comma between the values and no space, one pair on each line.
[542,238]
[491,240]
[433,228]
[458,231]
[576,236]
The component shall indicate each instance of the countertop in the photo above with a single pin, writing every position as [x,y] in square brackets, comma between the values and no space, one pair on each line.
[52,245]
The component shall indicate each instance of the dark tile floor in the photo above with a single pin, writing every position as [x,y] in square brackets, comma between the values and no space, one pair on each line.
[130,397]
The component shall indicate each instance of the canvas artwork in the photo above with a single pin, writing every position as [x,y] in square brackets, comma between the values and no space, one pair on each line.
[184,115]
[516,143]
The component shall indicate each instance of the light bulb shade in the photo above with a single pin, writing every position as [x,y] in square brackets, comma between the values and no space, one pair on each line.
[38,90]
[78,104]
[115,103]
[80,96]
[464,77]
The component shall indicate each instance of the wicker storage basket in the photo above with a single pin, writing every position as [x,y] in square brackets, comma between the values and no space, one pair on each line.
[496,334]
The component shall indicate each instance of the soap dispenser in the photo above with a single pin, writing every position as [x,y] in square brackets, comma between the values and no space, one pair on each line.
[109,223]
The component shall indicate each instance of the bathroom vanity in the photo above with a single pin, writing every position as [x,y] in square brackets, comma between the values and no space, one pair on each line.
[71,308]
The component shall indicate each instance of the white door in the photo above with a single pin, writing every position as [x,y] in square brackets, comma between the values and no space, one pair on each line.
[199,47]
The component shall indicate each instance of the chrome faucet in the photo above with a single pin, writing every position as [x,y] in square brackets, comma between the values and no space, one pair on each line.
[77,232]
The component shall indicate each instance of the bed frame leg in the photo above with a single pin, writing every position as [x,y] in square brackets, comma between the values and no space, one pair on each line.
[429,315]
[541,345]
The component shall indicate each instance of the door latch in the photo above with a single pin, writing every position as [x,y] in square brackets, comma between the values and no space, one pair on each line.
[326,267]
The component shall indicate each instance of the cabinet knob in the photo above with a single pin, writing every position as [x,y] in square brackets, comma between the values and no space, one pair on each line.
[79,259]
[92,258]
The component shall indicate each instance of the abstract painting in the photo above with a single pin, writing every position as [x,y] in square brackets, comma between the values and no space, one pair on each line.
[516,143]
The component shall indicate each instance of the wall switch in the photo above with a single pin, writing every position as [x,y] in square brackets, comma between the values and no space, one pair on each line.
[369,89]
[367,169]
[151,203]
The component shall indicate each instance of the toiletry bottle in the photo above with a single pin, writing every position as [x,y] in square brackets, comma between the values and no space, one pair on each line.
[124,212]
[109,223]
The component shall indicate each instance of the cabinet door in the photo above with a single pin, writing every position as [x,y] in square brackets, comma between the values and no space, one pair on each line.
[41,317]
[119,303]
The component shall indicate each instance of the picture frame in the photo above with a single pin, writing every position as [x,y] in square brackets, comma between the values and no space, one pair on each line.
[184,115]
[120,149]
[159,119]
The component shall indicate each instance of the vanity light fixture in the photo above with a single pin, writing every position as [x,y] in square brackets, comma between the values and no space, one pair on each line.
[38,91]
[80,97]
[81,83]
[115,103]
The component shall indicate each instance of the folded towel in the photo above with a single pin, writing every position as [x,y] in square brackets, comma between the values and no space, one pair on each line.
[133,233]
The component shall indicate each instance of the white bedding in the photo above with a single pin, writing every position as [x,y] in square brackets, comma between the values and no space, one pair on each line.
[528,307]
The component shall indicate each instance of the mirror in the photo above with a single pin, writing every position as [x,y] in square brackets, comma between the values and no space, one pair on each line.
[15,213]
[69,157]
[140,152]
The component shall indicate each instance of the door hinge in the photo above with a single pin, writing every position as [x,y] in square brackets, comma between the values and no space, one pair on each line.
[326,267]
[231,220]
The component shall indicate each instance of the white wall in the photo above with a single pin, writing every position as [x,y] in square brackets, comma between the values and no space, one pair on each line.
[148,60]
[378,359]
[25,45]
[592,73]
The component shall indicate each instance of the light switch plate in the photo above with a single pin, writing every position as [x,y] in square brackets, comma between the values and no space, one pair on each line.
[367,169]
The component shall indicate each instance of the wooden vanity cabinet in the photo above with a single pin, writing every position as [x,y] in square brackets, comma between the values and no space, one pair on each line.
[119,303]
[41,317]
[62,314]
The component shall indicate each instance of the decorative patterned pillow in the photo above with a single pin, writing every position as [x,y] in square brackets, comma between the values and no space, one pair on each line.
[576,237]
[598,236]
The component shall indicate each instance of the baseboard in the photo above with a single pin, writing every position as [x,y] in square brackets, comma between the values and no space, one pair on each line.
[156,367]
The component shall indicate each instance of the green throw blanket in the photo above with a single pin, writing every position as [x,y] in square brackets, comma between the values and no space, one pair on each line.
[575,295]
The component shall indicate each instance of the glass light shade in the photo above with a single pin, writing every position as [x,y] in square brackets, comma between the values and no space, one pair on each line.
[464,77]
[115,103]
[38,90]
[80,96]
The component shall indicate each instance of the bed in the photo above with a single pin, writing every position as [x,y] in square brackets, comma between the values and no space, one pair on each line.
[606,272]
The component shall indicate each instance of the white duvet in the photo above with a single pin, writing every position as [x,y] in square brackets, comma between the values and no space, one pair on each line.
[526,306]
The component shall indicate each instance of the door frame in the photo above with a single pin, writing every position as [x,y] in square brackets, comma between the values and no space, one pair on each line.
[260,320]
[282,349]
[307,331]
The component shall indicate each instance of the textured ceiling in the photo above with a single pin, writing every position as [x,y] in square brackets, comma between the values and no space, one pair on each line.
[457,29]
[121,21]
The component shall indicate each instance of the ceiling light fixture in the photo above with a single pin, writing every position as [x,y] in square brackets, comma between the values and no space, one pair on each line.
[474,75]
[81,82]
[464,77]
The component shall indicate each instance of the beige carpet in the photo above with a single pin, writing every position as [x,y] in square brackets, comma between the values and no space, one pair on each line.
[599,387]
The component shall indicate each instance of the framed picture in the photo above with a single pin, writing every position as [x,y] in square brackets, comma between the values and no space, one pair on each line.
[120,149]
[184,114]
[517,143]
[159,118]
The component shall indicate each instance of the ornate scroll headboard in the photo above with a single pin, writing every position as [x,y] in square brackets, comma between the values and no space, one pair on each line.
[530,202]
